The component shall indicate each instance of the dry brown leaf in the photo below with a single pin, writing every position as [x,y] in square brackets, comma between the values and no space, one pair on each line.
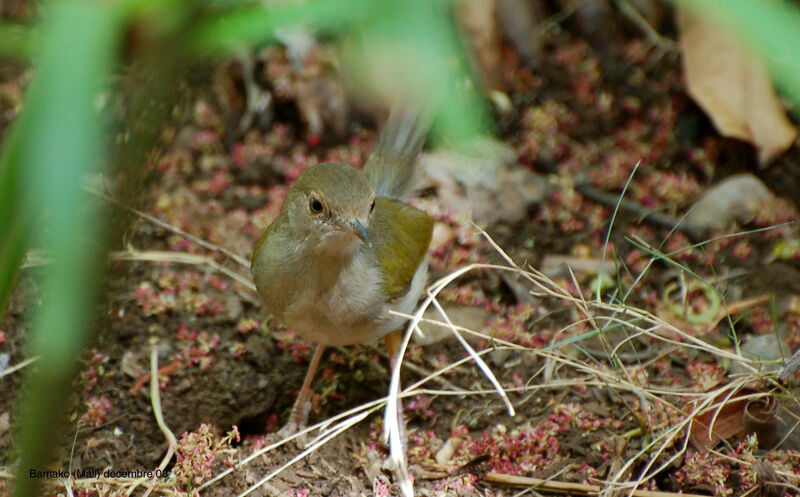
[761,417]
[728,422]
[740,415]
[733,88]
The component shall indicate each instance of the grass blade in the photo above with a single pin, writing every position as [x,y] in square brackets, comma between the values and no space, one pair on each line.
[56,141]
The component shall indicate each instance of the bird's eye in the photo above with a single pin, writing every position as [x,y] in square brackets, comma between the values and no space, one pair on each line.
[372,206]
[315,205]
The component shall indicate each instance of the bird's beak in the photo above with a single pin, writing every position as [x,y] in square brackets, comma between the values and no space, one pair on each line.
[358,229]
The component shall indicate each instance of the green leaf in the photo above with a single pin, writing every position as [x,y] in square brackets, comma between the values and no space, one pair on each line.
[55,141]
[411,41]
[16,39]
[231,31]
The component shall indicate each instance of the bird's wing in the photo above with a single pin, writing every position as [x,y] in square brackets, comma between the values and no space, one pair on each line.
[258,244]
[401,235]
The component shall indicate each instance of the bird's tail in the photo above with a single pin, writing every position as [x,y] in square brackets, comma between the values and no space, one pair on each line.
[392,167]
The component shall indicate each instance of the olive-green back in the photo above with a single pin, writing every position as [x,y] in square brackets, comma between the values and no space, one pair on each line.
[401,235]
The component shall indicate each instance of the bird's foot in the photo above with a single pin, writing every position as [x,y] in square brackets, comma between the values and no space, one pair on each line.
[298,421]
[291,429]
[397,464]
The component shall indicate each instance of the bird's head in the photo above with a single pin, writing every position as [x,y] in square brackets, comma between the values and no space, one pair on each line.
[332,202]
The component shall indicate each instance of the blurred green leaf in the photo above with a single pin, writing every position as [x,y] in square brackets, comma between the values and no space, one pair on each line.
[16,40]
[15,228]
[413,42]
[230,31]
[55,141]
[413,46]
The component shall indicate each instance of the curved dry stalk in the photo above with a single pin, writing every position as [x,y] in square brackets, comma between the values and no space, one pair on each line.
[154,220]
[355,412]
[461,329]
[317,443]
[480,362]
[392,429]
[155,400]
[16,367]
[645,325]
[736,387]
[132,254]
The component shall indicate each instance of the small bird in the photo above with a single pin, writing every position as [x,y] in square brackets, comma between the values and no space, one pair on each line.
[346,249]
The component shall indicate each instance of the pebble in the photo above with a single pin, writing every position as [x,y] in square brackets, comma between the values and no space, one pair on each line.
[735,199]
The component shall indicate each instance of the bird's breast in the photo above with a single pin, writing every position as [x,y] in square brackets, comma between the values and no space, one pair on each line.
[331,302]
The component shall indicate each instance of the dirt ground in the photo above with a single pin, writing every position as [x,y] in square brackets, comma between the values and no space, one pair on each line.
[584,117]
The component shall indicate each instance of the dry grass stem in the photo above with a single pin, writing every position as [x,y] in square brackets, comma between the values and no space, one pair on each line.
[132,254]
[634,328]
[154,220]
[155,401]
[20,365]
[549,485]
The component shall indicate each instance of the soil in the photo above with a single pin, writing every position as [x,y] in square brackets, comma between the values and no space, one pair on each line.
[234,366]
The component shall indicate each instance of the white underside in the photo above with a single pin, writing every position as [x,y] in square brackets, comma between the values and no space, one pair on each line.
[368,330]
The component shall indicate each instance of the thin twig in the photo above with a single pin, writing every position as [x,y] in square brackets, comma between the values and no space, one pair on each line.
[132,254]
[550,485]
[155,401]
[165,371]
[641,212]
[199,241]
[18,366]
[664,44]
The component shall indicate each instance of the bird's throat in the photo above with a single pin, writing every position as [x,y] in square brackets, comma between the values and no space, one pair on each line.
[339,244]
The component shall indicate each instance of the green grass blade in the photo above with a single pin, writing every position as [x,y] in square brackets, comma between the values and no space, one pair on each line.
[57,141]
[15,227]
[16,40]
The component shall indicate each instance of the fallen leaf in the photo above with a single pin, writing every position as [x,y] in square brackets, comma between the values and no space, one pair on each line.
[792,366]
[729,422]
[761,418]
[743,415]
[733,88]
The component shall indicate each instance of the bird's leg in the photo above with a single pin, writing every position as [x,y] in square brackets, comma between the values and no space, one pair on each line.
[393,341]
[299,415]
